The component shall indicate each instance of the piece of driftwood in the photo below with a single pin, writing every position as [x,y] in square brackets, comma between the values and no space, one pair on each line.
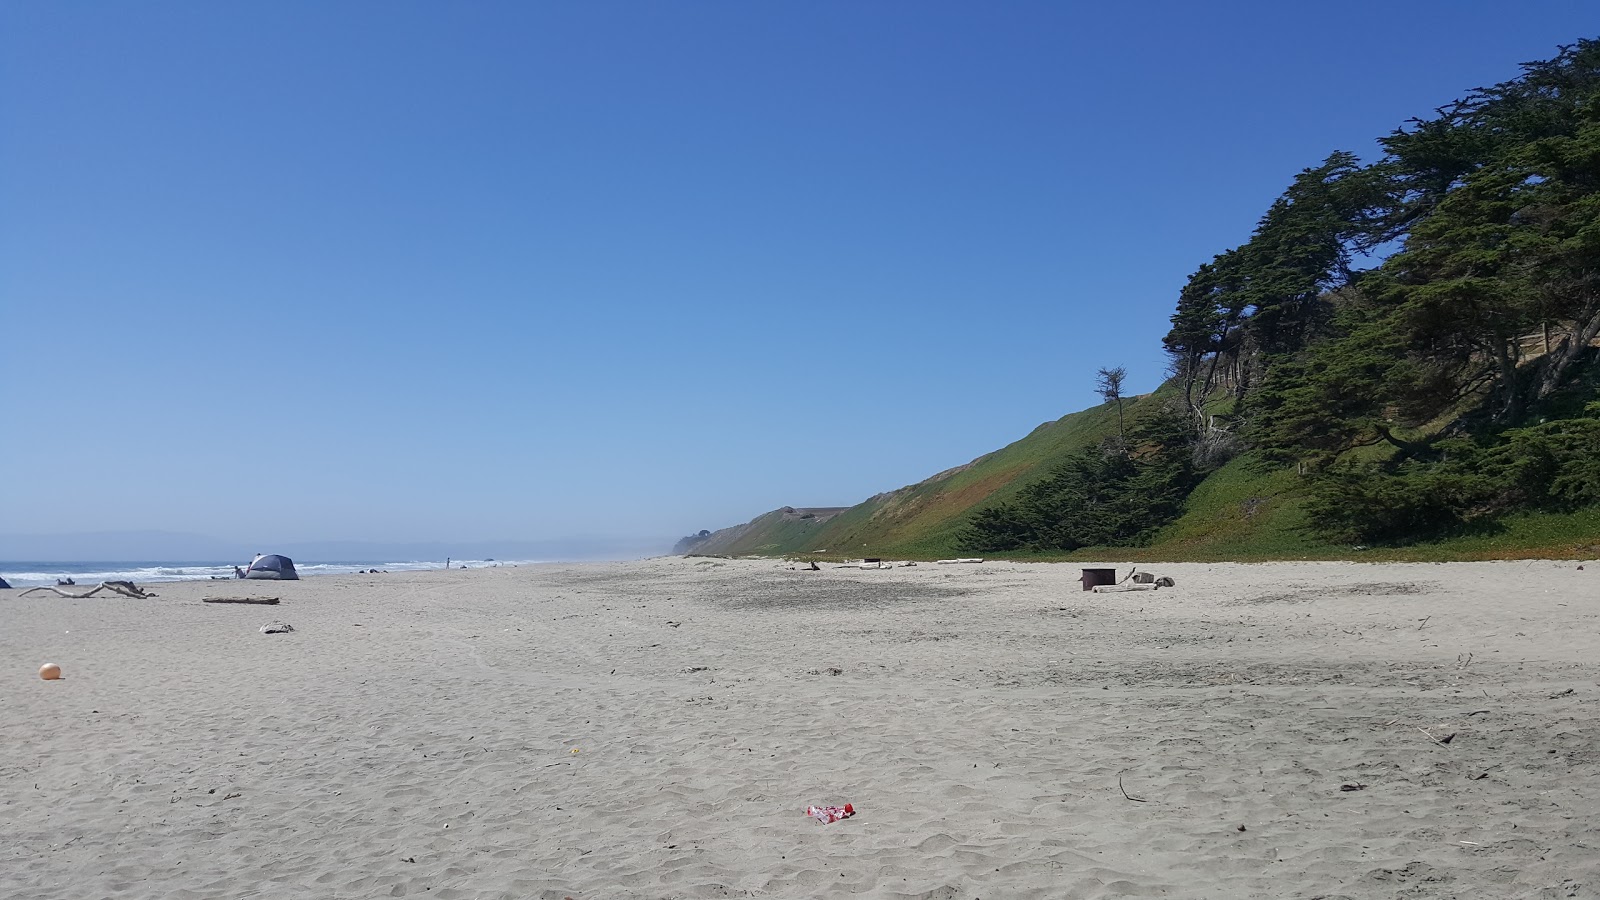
[1126,585]
[125,588]
[953,562]
[58,592]
[265,601]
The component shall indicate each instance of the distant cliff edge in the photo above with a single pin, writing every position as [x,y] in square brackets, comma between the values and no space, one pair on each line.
[775,532]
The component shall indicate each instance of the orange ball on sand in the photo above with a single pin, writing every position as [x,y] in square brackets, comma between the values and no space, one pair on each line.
[50,671]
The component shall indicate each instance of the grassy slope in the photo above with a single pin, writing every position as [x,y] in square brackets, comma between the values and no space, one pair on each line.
[1246,511]
[922,520]
[1250,511]
[770,534]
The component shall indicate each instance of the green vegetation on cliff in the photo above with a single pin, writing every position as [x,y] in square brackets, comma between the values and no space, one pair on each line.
[924,519]
[1400,361]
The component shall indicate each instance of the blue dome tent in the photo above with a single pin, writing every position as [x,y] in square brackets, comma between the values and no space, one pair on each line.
[273,566]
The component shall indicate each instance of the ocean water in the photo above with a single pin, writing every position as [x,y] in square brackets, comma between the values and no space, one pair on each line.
[26,573]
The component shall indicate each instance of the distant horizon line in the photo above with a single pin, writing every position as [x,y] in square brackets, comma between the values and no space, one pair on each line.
[143,546]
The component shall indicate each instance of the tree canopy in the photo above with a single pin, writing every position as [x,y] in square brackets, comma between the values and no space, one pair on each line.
[1442,301]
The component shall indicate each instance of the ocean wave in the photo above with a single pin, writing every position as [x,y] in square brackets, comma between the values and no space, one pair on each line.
[37,574]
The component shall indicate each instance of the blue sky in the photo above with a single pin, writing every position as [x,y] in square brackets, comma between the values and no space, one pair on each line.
[422,271]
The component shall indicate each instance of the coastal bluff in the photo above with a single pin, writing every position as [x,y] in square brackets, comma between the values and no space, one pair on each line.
[775,532]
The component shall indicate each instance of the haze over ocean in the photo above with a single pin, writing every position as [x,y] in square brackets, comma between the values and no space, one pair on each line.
[24,574]
[296,272]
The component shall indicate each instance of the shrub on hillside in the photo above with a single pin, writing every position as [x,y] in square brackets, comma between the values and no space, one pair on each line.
[1553,466]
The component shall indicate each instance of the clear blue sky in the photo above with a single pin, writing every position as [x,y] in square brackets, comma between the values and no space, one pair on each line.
[430,271]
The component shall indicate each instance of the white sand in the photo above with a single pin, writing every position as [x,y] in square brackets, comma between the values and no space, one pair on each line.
[414,736]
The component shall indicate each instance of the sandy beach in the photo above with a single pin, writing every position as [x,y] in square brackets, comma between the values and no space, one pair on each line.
[656,729]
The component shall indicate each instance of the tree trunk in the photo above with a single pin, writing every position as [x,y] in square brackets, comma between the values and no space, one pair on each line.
[1511,401]
[1569,350]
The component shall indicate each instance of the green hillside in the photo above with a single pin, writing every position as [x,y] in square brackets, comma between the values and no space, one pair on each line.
[921,519]
[1247,511]
[1402,361]
[782,531]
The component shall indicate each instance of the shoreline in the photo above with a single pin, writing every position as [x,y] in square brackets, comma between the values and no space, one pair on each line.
[998,730]
[24,574]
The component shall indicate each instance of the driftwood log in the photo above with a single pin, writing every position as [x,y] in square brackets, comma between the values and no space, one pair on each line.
[125,588]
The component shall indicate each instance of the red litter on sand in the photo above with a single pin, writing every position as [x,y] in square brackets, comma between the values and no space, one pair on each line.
[826,814]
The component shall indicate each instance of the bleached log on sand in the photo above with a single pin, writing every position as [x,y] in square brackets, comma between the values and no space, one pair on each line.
[125,588]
